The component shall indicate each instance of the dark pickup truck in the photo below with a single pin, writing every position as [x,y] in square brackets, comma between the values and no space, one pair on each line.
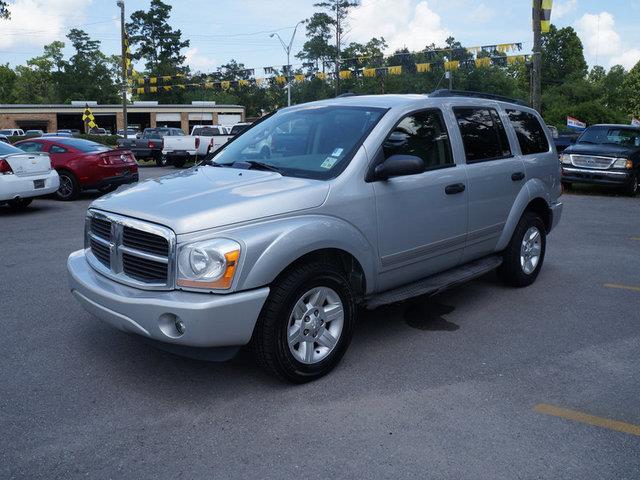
[604,155]
[149,145]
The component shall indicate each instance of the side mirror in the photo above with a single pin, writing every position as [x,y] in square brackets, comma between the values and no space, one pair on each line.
[398,166]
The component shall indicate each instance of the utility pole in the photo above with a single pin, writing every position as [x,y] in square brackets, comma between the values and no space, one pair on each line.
[338,47]
[536,74]
[124,69]
[287,49]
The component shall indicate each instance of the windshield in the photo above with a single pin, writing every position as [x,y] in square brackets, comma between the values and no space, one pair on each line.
[6,132]
[315,142]
[625,137]
[6,149]
[83,145]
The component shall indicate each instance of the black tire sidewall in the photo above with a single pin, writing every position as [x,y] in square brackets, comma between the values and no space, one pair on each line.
[286,365]
[511,270]
[74,183]
[631,191]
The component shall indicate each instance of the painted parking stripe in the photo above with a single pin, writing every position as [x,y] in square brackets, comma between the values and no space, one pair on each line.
[622,287]
[581,417]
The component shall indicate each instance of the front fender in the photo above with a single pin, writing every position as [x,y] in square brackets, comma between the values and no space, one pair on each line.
[533,188]
[273,245]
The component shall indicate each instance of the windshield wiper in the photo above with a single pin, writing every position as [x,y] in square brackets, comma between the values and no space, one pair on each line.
[257,165]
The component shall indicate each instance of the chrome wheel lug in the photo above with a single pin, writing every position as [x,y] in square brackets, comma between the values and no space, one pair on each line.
[306,332]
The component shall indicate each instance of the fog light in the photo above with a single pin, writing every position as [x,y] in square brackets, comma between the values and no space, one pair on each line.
[180,328]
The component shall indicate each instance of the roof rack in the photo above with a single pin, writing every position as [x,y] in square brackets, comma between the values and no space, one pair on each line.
[462,93]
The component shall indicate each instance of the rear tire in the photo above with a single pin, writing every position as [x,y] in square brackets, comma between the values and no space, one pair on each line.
[69,187]
[311,302]
[162,161]
[523,258]
[632,188]
[20,203]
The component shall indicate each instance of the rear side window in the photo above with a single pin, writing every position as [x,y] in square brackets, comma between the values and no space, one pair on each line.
[530,133]
[422,134]
[483,134]
[57,149]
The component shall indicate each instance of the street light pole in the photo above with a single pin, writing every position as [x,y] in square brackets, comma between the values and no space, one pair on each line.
[124,69]
[287,49]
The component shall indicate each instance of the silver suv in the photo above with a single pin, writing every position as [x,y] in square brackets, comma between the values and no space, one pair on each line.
[316,209]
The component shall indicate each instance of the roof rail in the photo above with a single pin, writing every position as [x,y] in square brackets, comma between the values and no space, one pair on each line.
[348,94]
[462,93]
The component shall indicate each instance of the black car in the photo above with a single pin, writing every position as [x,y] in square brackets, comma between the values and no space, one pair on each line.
[565,140]
[604,155]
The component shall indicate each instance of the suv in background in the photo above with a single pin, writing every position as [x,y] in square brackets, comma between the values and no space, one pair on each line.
[366,201]
[12,132]
[604,155]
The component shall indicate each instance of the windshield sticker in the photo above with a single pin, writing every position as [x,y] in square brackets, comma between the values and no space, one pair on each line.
[328,162]
[337,152]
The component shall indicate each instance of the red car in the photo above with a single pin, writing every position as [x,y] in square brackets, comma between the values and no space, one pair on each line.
[84,165]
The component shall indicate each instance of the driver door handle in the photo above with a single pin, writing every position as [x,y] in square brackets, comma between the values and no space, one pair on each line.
[454,188]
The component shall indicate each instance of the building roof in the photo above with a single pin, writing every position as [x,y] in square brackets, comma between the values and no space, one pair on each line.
[132,106]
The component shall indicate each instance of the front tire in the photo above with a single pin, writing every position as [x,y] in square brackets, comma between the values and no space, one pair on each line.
[69,187]
[523,258]
[162,161]
[632,188]
[20,203]
[179,162]
[306,324]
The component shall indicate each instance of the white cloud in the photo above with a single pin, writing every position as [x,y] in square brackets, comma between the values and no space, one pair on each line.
[482,13]
[197,61]
[561,9]
[399,23]
[603,44]
[39,22]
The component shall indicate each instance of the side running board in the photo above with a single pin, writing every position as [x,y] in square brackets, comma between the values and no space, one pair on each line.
[436,283]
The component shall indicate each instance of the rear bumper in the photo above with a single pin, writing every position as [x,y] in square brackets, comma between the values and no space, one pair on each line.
[15,186]
[125,178]
[210,320]
[596,177]
[179,154]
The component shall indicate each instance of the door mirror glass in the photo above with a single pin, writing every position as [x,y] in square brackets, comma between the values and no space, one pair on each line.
[398,166]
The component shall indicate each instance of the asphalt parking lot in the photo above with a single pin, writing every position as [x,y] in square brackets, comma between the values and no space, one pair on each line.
[482,381]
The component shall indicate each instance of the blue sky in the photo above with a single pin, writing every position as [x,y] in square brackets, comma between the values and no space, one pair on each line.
[222,29]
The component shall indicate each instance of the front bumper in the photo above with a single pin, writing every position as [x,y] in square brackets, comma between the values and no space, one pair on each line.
[556,214]
[209,320]
[596,177]
[17,186]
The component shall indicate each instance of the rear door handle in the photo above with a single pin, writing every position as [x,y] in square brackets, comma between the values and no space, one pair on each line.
[516,177]
[454,188]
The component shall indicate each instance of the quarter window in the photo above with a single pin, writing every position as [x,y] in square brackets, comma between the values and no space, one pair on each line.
[483,134]
[422,134]
[530,133]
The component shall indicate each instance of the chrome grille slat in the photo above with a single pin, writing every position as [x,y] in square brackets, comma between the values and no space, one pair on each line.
[592,161]
[131,251]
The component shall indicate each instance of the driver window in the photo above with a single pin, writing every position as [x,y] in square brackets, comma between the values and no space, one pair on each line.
[422,134]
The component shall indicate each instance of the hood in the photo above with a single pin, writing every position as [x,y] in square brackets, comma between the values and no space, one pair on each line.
[208,197]
[604,150]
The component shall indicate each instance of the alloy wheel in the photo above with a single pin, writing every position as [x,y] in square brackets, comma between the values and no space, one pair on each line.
[530,250]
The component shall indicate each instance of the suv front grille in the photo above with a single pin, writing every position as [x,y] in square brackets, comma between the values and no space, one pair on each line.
[591,161]
[131,251]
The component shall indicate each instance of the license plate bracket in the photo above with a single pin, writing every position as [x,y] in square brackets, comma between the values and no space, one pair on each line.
[38,184]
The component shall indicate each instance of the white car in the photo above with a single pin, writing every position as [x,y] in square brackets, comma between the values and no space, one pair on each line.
[12,132]
[24,176]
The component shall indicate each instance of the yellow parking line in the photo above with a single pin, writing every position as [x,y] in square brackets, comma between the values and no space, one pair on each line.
[623,287]
[616,425]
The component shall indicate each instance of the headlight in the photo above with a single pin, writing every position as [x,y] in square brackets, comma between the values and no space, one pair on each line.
[565,159]
[209,264]
[623,163]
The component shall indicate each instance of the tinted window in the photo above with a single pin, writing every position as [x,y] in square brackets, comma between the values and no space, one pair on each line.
[483,134]
[31,146]
[237,129]
[57,149]
[155,133]
[530,133]
[315,142]
[206,131]
[6,149]
[613,135]
[424,135]
[83,145]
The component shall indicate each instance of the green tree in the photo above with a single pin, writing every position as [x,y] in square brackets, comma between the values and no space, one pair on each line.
[632,85]
[562,56]
[7,84]
[318,48]
[4,11]
[158,45]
